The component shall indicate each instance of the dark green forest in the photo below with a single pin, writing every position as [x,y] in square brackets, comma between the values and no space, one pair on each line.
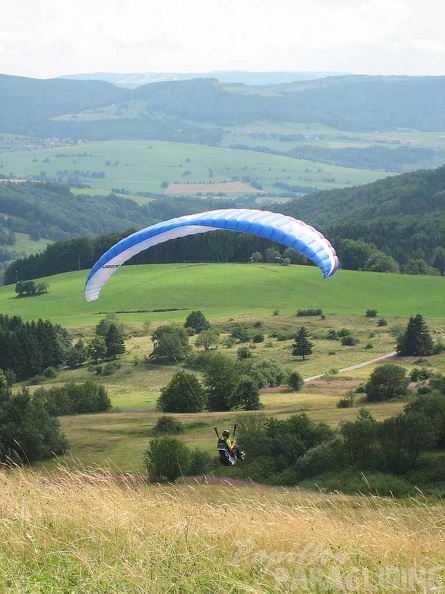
[404,215]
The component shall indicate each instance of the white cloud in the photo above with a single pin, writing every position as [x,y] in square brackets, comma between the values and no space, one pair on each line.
[44,38]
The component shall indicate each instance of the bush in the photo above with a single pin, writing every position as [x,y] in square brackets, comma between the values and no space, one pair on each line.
[382,322]
[168,425]
[295,381]
[349,341]
[201,463]
[50,372]
[420,375]
[386,382]
[244,353]
[166,457]
[344,403]
[323,457]
[183,393]
[74,399]
[371,313]
[27,432]
[258,338]
[309,312]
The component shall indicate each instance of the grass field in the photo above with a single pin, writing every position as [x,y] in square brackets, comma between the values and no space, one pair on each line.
[224,290]
[85,532]
[144,165]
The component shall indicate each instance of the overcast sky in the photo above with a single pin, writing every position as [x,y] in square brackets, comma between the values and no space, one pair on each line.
[48,38]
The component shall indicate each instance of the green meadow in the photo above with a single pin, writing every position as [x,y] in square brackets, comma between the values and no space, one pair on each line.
[221,290]
[142,166]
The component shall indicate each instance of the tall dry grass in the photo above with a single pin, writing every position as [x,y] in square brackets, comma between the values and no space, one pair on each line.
[91,532]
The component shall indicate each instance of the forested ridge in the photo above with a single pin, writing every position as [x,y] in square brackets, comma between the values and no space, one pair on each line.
[402,217]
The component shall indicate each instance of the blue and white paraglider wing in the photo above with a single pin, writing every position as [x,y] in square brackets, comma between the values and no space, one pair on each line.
[269,225]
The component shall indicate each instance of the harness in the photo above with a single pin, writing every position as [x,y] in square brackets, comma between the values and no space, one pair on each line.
[225,457]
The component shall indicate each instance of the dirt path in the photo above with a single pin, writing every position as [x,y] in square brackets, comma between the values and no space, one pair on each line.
[387,356]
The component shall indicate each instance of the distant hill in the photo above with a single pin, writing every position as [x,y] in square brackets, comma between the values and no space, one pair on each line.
[186,108]
[404,215]
[28,104]
[134,80]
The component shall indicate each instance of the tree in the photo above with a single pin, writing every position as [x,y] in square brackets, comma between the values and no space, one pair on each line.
[76,356]
[402,438]
[27,432]
[182,394]
[105,323]
[386,382]
[171,343]
[272,255]
[97,349]
[246,395]
[294,257]
[360,439]
[114,341]
[220,380]
[166,457]
[301,345]
[295,381]
[208,338]
[416,340]
[266,372]
[27,287]
[380,262]
[197,321]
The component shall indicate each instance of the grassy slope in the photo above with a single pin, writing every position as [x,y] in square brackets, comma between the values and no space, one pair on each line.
[229,289]
[247,293]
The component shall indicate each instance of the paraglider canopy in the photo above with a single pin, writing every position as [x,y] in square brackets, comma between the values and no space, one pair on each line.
[268,225]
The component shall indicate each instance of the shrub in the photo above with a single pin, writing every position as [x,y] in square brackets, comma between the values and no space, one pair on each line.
[166,457]
[183,393]
[295,381]
[244,353]
[201,463]
[349,340]
[74,399]
[167,424]
[371,313]
[331,335]
[343,332]
[50,372]
[309,312]
[382,322]
[344,403]
[258,338]
[420,374]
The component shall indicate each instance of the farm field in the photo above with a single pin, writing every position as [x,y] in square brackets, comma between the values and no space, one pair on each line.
[142,166]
